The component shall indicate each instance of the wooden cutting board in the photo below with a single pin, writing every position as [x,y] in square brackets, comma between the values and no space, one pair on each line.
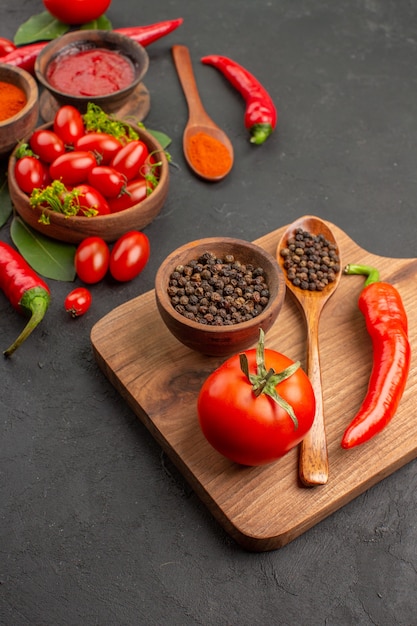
[263,508]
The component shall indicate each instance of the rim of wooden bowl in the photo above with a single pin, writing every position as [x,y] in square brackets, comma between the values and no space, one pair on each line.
[109,227]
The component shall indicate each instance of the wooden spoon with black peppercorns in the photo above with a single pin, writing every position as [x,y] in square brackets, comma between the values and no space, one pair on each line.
[310,259]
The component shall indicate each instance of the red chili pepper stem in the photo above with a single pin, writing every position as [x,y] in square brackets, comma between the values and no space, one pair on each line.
[364,270]
[34,303]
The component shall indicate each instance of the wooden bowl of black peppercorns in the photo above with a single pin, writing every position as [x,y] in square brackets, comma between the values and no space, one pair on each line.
[215,294]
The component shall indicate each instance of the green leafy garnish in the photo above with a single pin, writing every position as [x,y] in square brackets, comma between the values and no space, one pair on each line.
[40,27]
[50,258]
[57,197]
[96,120]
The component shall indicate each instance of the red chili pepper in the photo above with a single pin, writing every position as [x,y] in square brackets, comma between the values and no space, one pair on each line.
[386,323]
[261,115]
[146,35]
[24,289]
[25,56]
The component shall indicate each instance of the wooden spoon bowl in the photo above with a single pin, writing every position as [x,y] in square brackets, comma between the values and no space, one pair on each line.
[313,451]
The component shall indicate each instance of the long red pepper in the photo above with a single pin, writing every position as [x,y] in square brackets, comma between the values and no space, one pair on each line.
[25,290]
[386,323]
[25,56]
[260,115]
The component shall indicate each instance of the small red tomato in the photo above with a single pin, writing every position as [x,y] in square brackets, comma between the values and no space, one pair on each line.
[68,124]
[30,173]
[47,145]
[249,428]
[107,180]
[129,255]
[78,301]
[72,167]
[77,11]
[6,46]
[102,144]
[92,260]
[135,191]
[130,159]
[90,198]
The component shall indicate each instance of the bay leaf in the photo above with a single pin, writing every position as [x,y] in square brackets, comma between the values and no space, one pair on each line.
[163,139]
[40,27]
[101,23]
[50,258]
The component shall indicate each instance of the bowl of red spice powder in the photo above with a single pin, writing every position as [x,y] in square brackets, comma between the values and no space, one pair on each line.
[215,294]
[19,106]
[100,66]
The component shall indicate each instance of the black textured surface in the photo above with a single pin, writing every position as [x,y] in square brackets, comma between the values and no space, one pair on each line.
[96,525]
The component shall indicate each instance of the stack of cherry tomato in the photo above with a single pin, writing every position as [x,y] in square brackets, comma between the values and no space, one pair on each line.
[109,175]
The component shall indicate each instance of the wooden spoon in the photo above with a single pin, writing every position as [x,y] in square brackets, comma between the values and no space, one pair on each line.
[198,121]
[313,464]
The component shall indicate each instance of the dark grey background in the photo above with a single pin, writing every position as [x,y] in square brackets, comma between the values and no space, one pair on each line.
[96,525]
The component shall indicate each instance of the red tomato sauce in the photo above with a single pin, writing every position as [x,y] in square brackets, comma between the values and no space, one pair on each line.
[96,72]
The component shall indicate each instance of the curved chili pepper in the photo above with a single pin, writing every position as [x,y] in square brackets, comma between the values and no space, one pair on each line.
[386,323]
[24,289]
[260,115]
[25,56]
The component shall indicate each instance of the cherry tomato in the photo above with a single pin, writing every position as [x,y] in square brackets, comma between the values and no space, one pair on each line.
[72,167]
[102,144]
[90,198]
[92,260]
[253,429]
[76,11]
[6,46]
[135,191]
[30,173]
[130,159]
[68,124]
[107,180]
[46,144]
[78,301]
[129,255]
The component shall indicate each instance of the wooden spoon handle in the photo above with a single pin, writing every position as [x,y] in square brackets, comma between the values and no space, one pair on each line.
[184,67]
[313,462]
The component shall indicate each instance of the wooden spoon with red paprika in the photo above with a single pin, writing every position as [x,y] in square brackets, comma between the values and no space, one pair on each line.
[207,149]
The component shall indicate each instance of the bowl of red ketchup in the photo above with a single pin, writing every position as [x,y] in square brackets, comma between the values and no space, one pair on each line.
[97,66]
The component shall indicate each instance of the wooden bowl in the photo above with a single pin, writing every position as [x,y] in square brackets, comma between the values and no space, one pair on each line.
[108,227]
[220,340]
[91,39]
[15,128]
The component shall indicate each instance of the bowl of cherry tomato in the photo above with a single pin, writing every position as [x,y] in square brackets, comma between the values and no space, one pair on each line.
[19,106]
[70,182]
[215,294]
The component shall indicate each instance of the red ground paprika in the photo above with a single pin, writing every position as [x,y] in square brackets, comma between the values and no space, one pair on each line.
[386,323]
[25,290]
[209,155]
[12,100]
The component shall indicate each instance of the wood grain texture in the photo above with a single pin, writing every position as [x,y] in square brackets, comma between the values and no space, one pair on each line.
[264,508]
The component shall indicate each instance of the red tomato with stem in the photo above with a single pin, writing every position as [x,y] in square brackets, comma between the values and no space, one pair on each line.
[131,158]
[76,11]
[129,255]
[91,201]
[46,144]
[78,301]
[102,144]
[250,428]
[135,191]
[30,173]
[72,167]
[107,180]
[6,46]
[92,260]
[68,124]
